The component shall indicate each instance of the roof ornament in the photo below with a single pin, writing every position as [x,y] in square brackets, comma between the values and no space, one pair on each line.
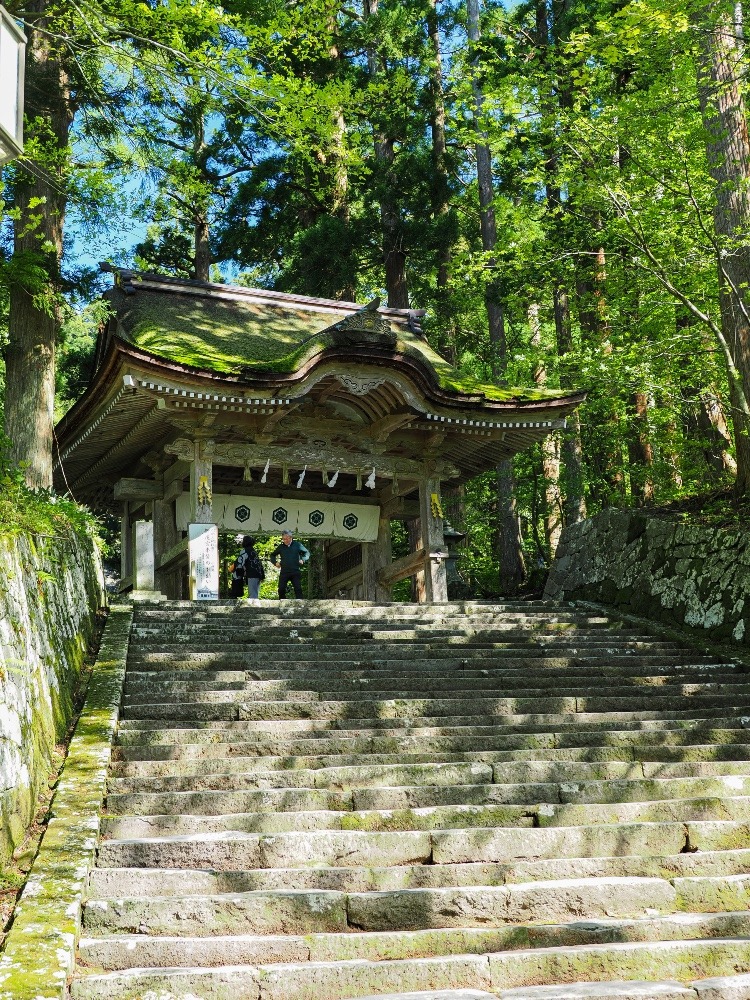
[123,276]
[364,327]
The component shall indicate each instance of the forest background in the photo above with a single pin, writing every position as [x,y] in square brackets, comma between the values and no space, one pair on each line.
[564,186]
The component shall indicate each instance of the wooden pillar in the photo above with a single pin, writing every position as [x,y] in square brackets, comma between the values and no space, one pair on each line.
[414,529]
[203,545]
[430,515]
[126,544]
[201,484]
[376,556]
[165,537]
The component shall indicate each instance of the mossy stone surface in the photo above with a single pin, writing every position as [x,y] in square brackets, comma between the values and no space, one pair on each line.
[50,590]
[39,950]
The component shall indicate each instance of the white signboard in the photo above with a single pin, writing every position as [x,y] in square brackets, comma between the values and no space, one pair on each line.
[203,558]
[272,515]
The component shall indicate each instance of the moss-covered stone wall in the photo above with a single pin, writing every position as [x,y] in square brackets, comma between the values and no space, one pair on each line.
[677,573]
[50,590]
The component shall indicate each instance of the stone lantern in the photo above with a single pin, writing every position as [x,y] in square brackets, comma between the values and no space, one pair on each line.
[12,48]
[458,588]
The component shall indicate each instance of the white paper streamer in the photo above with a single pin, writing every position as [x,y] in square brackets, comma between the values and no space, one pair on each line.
[265,471]
[301,477]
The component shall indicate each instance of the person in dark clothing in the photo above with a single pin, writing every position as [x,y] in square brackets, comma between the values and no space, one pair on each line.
[292,555]
[247,567]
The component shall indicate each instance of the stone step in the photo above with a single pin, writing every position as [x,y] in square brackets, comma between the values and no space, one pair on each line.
[124,950]
[563,622]
[440,817]
[514,665]
[460,690]
[501,725]
[522,730]
[209,764]
[216,680]
[652,754]
[232,851]
[305,911]
[625,745]
[330,608]
[218,803]
[335,778]
[270,632]
[617,990]
[289,645]
[518,724]
[195,694]
[309,651]
[305,651]
[241,776]
[119,882]
[681,961]
[525,632]
[426,707]
[504,772]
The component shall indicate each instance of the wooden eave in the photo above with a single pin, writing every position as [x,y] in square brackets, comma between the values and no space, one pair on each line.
[108,431]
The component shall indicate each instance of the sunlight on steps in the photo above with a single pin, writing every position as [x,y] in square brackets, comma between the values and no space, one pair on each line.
[329,800]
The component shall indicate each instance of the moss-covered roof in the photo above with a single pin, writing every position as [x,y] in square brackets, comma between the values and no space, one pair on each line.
[240,334]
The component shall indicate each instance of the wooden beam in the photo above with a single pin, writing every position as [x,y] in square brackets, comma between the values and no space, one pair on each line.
[401,568]
[380,429]
[400,509]
[138,489]
[173,554]
[316,458]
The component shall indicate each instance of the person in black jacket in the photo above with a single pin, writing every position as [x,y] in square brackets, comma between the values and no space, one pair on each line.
[247,567]
[292,556]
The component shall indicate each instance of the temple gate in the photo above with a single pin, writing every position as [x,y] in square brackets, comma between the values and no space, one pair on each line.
[214,406]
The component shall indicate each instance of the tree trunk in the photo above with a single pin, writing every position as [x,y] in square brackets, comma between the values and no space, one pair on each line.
[512,569]
[440,191]
[640,452]
[34,325]
[202,257]
[394,253]
[487,221]
[441,209]
[550,448]
[571,451]
[512,566]
[728,152]
[566,448]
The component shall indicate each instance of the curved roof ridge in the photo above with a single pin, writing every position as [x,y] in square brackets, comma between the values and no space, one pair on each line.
[129,280]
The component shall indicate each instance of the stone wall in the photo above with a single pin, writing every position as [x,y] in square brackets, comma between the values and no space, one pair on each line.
[678,573]
[50,590]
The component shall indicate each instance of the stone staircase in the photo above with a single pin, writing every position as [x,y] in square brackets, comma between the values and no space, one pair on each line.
[327,800]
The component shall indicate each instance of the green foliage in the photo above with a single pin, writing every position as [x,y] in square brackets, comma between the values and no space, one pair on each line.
[38,512]
[285,133]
